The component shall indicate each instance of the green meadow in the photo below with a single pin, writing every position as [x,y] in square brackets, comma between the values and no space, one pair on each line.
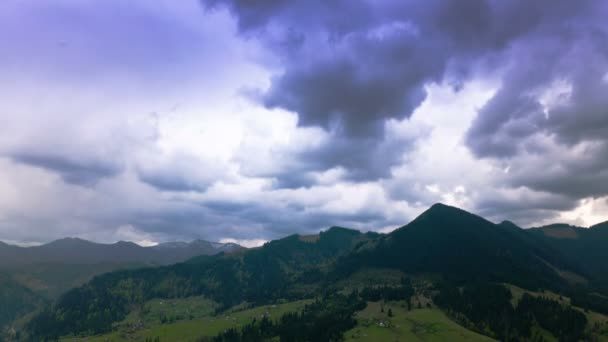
[427,324]
[187,320]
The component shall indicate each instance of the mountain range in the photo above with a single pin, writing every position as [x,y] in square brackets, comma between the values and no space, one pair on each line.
[79,251]
[462,259]
[31,276]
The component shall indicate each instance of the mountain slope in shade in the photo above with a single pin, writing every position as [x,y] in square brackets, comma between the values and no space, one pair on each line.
[603,225]
[587,247]
[457,244]
[15,299]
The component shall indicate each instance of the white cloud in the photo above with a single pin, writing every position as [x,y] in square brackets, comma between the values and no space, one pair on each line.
[249,243]
[131,233]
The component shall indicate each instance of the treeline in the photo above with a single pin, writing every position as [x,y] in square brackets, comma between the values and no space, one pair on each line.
[564,322]
[487,308]
[326,319]
[404,292]
[323,320]
[590,301]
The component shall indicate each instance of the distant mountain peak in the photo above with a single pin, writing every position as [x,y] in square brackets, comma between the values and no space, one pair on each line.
[444,211]
[441,208]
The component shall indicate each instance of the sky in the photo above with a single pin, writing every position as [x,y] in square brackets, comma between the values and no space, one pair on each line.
[250,120]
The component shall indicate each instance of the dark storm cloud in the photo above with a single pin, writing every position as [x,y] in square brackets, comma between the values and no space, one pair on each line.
[169,182]
[353,71]
[350,154]
[180,172]
[279,221]
[553,103]
[349,66]
[584,174]
[79,172]
[524,208]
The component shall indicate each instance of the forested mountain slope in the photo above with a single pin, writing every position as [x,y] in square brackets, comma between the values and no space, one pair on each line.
[450,243]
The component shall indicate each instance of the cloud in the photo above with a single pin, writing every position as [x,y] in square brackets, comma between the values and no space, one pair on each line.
[349,77]
[182,172]
[80,172]
[245,243]
[550,112]
[253,120]
[131,233]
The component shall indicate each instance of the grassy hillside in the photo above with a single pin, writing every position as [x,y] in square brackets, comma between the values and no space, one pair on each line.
[415,325]
[375,324]
[190,328]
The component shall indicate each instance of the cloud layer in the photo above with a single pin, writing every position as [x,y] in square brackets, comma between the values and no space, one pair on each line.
[251,120]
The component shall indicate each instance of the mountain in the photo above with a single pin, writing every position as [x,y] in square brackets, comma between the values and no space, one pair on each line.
[180,251]
[459,245]
[603,225]
[32,275]
[15,299]
[461,262]
[444,241]
[55,267]
[79,251]
[288,268]
[587,247]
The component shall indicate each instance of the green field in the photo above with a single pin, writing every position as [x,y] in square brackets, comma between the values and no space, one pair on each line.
[427,324]
[146,323]
[192,318]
